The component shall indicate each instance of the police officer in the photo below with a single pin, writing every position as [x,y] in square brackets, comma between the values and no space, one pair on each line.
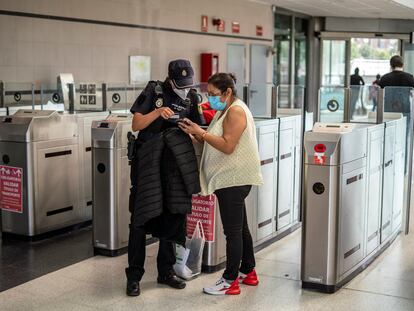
[157,108]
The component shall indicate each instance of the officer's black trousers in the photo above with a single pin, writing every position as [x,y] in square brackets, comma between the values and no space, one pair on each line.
[136,253]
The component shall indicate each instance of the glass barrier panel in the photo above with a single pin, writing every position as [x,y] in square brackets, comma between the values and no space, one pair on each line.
[51,97]
[398,113]
[291,97]
[116,97]
[331,103]
[363,101]
[20,96]
[260,99]
[132,93]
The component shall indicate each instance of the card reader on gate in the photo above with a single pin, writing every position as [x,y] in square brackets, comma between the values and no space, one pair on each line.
[333,127]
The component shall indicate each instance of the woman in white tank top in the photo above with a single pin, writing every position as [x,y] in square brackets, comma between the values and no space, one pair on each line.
[230,166]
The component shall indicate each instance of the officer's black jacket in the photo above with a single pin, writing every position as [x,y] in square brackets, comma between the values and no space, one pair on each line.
[164,172]
[167,176]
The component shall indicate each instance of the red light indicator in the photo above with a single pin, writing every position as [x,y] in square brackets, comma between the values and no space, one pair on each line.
[320,148]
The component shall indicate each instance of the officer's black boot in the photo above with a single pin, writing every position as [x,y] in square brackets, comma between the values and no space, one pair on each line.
[133,288]
[172,281]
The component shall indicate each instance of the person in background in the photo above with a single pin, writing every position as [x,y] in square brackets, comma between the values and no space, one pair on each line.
[356,82]
[230,166]
[397,76]
[397,97]
[398,92]
[373,92]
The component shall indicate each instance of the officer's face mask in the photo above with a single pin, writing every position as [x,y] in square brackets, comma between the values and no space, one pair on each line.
[182,93]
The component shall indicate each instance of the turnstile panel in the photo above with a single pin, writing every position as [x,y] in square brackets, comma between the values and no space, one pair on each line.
[124,184]
[320,228]
[351,219]
[388,183]
[398,199]
[374,189]
[286,176]
[56,186]
[266,194]
[19,223]
[297,184]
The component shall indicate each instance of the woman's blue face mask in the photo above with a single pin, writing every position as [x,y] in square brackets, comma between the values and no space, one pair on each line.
[216,103]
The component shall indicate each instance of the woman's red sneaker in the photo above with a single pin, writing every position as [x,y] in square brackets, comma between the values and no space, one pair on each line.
[249,279]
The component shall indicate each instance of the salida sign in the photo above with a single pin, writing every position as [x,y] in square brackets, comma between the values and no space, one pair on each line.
[203,211]
[11,188]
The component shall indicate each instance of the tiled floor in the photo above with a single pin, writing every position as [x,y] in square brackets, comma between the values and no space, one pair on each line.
[22,261]
[98,283]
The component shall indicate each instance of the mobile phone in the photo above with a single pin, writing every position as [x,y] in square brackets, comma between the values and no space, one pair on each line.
[174,118]
[183,121]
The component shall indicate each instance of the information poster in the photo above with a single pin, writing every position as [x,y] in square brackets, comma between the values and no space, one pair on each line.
[11,189]
[139,69]
[203,211]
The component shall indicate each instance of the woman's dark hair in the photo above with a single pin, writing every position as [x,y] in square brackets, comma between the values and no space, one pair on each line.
[223,81]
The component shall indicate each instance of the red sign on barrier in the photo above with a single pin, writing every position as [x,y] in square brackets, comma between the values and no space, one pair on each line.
[203,210]
[319,158]
[11,189]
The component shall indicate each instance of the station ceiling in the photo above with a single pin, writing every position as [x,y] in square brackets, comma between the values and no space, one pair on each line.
[398,9]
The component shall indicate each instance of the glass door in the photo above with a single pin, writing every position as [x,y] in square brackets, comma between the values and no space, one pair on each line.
[334,62]
[333,80]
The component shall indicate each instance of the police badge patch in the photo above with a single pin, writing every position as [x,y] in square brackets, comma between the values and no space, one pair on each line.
[159,103]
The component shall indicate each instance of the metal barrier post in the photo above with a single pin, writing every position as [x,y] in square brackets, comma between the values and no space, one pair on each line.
[246,95]
[1,94]
[347,105]
[71,97]
[104,99]
[274,102]
[317,117]
[42,95]
[380,106]
[33,97]
[410,166]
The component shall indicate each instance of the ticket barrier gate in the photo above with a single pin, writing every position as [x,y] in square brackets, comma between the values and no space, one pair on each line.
[352,212]
[85,120]
[111,184]
[39,155]
[272,209]
[39,128]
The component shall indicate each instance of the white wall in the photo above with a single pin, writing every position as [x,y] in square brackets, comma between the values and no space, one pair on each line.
[33,49]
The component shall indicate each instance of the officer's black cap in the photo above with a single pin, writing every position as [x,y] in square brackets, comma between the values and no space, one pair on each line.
[181,73]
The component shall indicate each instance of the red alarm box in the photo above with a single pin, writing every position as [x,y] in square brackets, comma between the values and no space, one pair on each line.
[209,65]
